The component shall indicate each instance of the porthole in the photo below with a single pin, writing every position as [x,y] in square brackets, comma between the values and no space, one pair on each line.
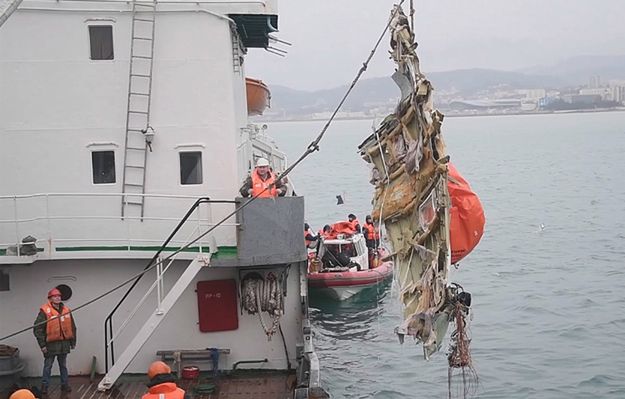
[66,291]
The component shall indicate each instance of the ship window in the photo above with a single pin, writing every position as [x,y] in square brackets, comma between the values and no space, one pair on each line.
[103,163]
[101,39]
[66,291]
[191,168]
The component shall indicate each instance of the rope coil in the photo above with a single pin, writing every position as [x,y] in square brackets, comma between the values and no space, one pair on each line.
[263,295]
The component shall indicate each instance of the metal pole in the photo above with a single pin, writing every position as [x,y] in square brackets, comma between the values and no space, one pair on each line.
[48,224]
[159,286]
[17,228]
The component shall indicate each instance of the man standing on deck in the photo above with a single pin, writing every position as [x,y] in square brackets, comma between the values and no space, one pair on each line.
[372,234]
[162,383]
[55,331]
[261,182]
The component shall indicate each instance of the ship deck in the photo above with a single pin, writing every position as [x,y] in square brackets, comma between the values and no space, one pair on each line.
[244,384]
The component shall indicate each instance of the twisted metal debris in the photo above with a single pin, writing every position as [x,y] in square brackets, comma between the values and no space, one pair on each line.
[409,171]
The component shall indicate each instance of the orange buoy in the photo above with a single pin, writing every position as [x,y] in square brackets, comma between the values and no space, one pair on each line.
[466,216]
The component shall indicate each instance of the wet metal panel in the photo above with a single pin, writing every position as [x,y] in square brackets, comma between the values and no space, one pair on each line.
[271,231]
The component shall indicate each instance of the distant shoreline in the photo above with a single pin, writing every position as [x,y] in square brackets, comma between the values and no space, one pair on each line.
[580,111]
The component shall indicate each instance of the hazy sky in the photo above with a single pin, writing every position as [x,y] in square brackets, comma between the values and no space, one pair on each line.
[331,38]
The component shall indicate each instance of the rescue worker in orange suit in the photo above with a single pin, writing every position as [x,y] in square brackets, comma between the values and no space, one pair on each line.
[22,394]
[310,240]
[162,383]
[262,177]
[55,331]
[372,234]
[353,220]
[325,232]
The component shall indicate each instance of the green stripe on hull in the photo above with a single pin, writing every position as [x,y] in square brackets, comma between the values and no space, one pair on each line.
[222,252]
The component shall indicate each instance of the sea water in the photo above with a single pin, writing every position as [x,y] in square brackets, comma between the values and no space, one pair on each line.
[547,279]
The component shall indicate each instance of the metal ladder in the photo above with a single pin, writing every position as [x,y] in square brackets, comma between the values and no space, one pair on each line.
[236,49]
[155,318]
[138,130]
[7,7]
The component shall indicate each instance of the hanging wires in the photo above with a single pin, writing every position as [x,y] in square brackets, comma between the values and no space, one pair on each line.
[412,15]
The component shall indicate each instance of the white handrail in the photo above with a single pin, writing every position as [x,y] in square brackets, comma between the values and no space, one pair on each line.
[33,195]
[158,283]
[48,216]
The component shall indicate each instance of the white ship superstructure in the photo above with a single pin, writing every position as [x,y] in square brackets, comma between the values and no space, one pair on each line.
[115,117]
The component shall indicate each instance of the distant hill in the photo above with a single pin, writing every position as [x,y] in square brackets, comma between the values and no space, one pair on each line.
[578,70]
[466,83]
[378,91]
[469,81]
[366,92]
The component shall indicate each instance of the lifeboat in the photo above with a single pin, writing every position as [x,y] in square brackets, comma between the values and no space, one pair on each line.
[343,266]
[258,96]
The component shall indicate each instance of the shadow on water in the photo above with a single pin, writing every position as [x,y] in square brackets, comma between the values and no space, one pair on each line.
[350,319]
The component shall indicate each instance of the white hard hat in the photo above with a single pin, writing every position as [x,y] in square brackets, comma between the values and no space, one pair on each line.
[262,162]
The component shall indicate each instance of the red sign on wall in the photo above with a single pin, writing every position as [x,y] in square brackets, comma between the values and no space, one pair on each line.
[217,305]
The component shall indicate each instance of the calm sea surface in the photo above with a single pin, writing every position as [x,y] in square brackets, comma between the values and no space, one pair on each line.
[548,304]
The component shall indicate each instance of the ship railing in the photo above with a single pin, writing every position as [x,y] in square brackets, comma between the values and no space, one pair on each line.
[158,285]
[157,262]
[67,224]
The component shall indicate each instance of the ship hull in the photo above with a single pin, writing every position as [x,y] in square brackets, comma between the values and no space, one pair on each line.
[344,285]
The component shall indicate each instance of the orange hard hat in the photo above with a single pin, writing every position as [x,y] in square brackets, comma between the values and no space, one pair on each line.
[53,292]
[157,368]
[22,394]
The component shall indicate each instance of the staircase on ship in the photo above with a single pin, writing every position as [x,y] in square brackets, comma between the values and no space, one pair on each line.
[7,7]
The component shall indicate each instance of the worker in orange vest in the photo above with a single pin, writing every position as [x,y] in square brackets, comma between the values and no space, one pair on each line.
[372,233]
[55,331]
[355,224]
[326,231]
[262,182]
[310,240]
[162,383]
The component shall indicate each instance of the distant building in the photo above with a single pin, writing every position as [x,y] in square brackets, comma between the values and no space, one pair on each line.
[594,82]
[533,94]
[616,91]
[581,98]
[529,105]
[602,92]
[513,103]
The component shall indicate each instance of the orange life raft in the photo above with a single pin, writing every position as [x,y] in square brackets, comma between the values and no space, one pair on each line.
[466,214]
[345,228]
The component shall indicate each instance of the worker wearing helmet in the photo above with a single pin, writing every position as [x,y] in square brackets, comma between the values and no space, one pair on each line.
[22,394]
[55,331]
[262,182]
[162,383]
